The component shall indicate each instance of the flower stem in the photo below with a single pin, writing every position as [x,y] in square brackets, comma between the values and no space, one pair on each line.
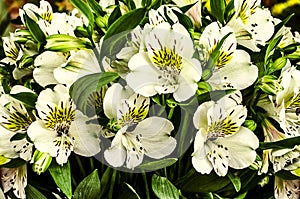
[146,185]
[170,113]
[112,184]
[82,171]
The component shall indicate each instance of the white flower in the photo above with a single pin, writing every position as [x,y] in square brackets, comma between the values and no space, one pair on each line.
[14,118]
[251,24]
[233,68]
[221,141]
[56,68]
[14,178]
[61,129]
[167,66]
[163,14]
[52,23]
[286,189]
[137,136]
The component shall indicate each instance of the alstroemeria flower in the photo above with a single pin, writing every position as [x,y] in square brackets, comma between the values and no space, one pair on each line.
[221,141]
[233,68]
[14,118]
[61,129]
[52,23]
[137,135]
[14,178]
[60,68]
[251,24]
[286,189]
[167,66]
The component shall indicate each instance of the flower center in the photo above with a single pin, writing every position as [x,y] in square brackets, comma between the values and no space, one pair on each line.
[167,58]
[18,120]
[59,114]
[47,16]
[222,128]
[224,56]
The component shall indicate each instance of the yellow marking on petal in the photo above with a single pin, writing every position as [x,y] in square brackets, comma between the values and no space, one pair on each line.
[224,56]
[59,115]
[243,12]
[47,16]
[167,58]
[222,128]
[17,121]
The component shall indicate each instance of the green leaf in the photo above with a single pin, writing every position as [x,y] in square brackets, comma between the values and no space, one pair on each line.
[229,10]
[115,36]
[85,9]
[186,8]
[196,182]
[235,180]
[95,6]
[33,193]
[272,45]
[127,22]
[105,181]
[62,177]
[218,9]
[37,34]
[89,187]
[158,164]
[114,16]
[133,190]
[287,175]
[85,86]
[282,144]
[282,23]
[213,95]
[163,188]
[26,97]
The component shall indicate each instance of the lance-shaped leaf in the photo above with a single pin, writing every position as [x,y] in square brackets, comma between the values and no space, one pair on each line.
[282,144]
[158,164]
[85,86]
[34,29]
[33,193]
[62,177]
[163,188]
[89,187]
[218,9]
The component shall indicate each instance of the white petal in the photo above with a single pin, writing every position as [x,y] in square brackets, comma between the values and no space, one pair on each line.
[155,136]
[241,147]
[143,77]
[199,160]
[200,116]
[87,142]
[240,73]
[133,159]
[44,76]
[113,97]
[115,156]
[42,137]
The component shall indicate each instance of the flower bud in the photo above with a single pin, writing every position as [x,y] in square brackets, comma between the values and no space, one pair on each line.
[203,87]
[41,161]
[277,65]
[250,124]
[270,84]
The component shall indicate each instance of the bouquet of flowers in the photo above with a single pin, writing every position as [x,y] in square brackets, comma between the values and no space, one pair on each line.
[150,99]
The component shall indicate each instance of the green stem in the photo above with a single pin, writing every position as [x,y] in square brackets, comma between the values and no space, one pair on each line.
[170,113]
[81,168]
[112,184]
[92,164]
[146,185]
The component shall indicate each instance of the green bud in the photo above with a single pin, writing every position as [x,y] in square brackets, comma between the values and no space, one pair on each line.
[250,124]
[277,65]
[102,21]
[41,161]
[206,74]
[64,43]
[270,84]
[203,87]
